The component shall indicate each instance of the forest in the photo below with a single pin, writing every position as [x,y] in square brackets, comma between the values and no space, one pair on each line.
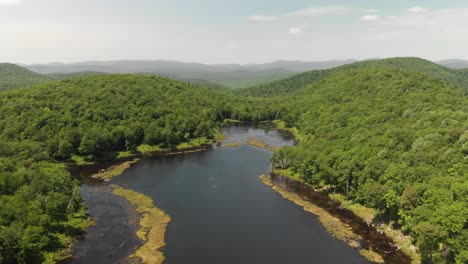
[390,134]
[457,77]
[13,76]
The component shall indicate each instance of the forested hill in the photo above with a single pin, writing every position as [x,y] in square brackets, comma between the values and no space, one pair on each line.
[89,117]
[282,87]
[395,130]
[101,108]
[399,138]
[14,76]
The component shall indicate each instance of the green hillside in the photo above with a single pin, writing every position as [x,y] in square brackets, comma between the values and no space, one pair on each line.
[285,86]
[394,131]
[45,125]
[14,76]
[282,87]
[399,138]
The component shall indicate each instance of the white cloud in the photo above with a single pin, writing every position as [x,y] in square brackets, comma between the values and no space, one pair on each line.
[295,30]
[369,11]
[417,10]
[10,2]
[370,17]
[322,11]
[443,20]
[263,18]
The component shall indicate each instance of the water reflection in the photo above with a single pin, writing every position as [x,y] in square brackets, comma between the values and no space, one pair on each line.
[241,133]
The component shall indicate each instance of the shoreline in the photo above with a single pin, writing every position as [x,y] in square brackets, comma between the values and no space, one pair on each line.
[396,235]
[105,171]
[374,242]
[332,224]
[102,172]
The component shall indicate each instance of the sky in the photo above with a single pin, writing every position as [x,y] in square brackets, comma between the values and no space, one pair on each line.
[231,31]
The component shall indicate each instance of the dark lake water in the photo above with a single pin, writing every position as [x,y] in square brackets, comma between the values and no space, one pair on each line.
[222,212]
[113,237]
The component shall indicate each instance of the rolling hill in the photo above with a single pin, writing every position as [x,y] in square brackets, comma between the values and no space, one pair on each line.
[43,126]
[282,87]
[14,76]
[397,138]
[390,134]
[454,64]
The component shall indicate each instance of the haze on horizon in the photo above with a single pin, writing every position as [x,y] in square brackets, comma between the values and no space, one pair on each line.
[258,31]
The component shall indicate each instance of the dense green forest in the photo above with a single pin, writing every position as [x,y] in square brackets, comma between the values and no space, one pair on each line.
[44,125]
[390,133]
[399,139]
[13,76]
[289,85]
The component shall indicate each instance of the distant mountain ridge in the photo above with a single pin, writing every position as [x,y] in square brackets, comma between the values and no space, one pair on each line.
[454,63]
[231,75]
[284,72]
[160,66]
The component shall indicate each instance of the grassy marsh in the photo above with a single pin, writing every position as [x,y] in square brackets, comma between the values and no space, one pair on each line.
[114,170]
[153,224]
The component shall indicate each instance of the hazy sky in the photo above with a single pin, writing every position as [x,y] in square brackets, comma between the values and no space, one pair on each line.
[231,31]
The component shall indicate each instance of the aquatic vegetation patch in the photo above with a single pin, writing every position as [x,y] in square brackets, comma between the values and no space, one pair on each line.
[153,224]
[114,170]
[371,256]
[232,145]
[261,144]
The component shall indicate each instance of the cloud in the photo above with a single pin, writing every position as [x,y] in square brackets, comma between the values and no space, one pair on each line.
[370,17]
[425,19]
[417,10]
[369,11]
[10,2]
[322,11]
[295,30]
[262,18]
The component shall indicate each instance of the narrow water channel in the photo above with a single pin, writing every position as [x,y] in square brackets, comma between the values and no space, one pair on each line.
[113,237]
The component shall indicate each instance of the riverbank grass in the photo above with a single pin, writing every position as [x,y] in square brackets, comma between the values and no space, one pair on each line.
[261,144]
[153,225]
[332,224]
[114,170]
[232,145]
[368,214]
[371,256]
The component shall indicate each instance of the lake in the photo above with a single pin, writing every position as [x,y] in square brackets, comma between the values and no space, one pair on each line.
[223,213]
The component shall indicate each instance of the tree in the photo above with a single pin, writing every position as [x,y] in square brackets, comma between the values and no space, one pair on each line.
[65,150]
[88,146]
[429,237]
